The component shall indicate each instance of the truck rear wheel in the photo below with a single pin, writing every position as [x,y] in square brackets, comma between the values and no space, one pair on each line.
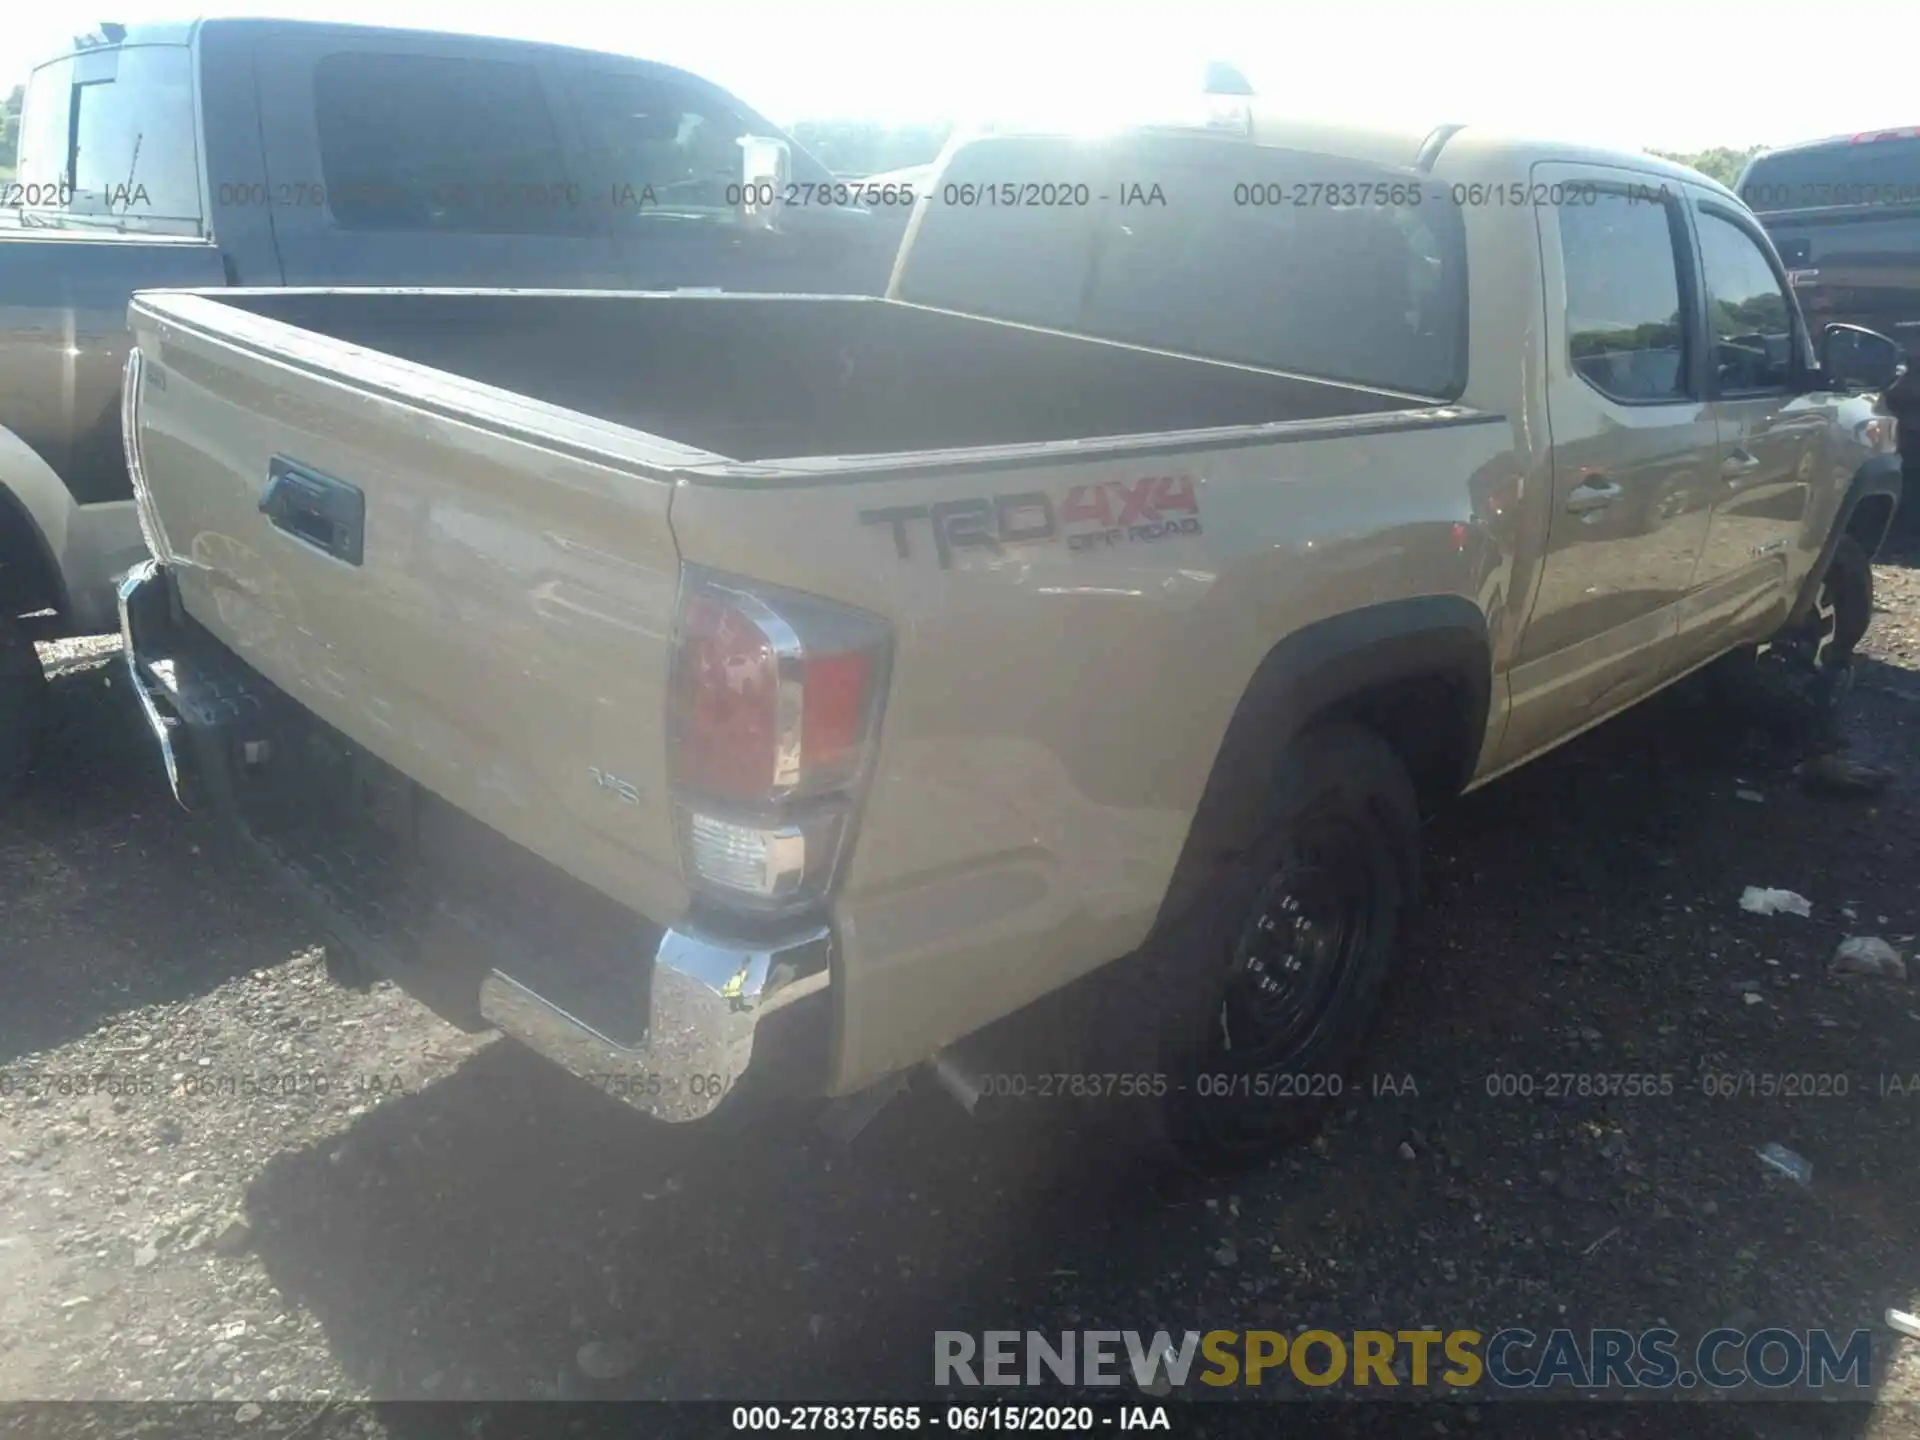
[1252,1007]
[23,703]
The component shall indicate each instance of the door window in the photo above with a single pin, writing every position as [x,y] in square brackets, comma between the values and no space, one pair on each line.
[443,144]
[657,149]
[1626,336]
[1749,317]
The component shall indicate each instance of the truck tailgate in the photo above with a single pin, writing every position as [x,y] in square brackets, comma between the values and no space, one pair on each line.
[486,610]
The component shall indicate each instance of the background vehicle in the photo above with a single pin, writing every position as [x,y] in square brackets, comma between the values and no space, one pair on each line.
[1845,215]
[1118,587]
[245,152]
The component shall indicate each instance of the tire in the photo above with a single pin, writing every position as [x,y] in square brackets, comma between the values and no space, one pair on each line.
[23,705]
[1824,638]
[1252,1032]
[1795,681]
[1847,588]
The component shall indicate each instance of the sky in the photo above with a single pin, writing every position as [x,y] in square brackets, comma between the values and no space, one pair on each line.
[1673,75]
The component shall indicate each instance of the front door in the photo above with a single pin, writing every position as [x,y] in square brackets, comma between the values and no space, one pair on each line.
[1630,432]
[1771,437]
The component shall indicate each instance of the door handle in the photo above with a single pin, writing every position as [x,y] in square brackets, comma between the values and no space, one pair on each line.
[1738,465]
[1594,495]
[326,513]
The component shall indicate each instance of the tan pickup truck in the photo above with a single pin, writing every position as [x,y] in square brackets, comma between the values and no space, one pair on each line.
[725,694]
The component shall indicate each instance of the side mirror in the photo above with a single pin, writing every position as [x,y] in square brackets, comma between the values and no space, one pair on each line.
[765,164]
[1853,357]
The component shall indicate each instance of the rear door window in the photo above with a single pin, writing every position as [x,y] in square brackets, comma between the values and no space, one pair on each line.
[1621,256]
[441,144]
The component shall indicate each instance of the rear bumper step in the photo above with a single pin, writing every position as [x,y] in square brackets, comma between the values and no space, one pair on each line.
[671,1020]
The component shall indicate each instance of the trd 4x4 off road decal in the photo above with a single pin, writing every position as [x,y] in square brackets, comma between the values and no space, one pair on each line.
[1113,512]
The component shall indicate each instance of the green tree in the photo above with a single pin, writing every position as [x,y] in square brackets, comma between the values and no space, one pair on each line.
[1720,163]
[10,130]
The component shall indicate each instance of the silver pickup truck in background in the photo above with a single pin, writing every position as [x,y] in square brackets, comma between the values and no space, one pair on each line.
[731,694]
[274,152]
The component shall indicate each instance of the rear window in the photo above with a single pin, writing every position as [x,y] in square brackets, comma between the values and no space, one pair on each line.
[1269,257]
[1013,262]
[45,138]
[439,143]
[1873,172]
[115,146]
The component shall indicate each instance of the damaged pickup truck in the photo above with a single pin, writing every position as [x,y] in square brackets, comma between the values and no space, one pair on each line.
[731,694]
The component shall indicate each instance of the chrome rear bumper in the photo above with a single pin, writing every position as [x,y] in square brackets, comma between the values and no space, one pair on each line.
[716,1009]
[671,1021]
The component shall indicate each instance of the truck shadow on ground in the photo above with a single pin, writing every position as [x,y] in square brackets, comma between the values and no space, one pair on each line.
[467,1239]
[98,873]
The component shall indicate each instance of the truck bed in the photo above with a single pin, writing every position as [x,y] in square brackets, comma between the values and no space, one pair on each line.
[755,378]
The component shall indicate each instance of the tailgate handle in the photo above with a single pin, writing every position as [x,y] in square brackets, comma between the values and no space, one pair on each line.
[326,513]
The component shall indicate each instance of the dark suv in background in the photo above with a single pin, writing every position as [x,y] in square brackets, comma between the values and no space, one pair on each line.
[1845,215]
[286,153]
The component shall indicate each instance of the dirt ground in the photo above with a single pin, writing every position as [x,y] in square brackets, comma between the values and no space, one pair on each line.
[309,1194]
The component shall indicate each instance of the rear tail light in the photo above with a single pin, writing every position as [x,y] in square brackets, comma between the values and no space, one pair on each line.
[775,710]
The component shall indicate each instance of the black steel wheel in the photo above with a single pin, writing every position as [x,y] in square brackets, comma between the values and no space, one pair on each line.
[1823,641]
[1792,685]
[1252,1008]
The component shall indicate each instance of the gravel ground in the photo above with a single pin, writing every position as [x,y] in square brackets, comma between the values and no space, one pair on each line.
[310,1193]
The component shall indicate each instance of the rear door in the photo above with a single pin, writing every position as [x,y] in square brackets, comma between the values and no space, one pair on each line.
[1770,434]
[411,160]
[1631,434]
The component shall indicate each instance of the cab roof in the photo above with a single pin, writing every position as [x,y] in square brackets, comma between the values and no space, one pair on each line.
[1254,121]
[184,32]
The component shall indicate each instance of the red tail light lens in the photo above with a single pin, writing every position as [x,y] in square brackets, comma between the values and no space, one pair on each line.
[834,706]
[728,695]
[775,708]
